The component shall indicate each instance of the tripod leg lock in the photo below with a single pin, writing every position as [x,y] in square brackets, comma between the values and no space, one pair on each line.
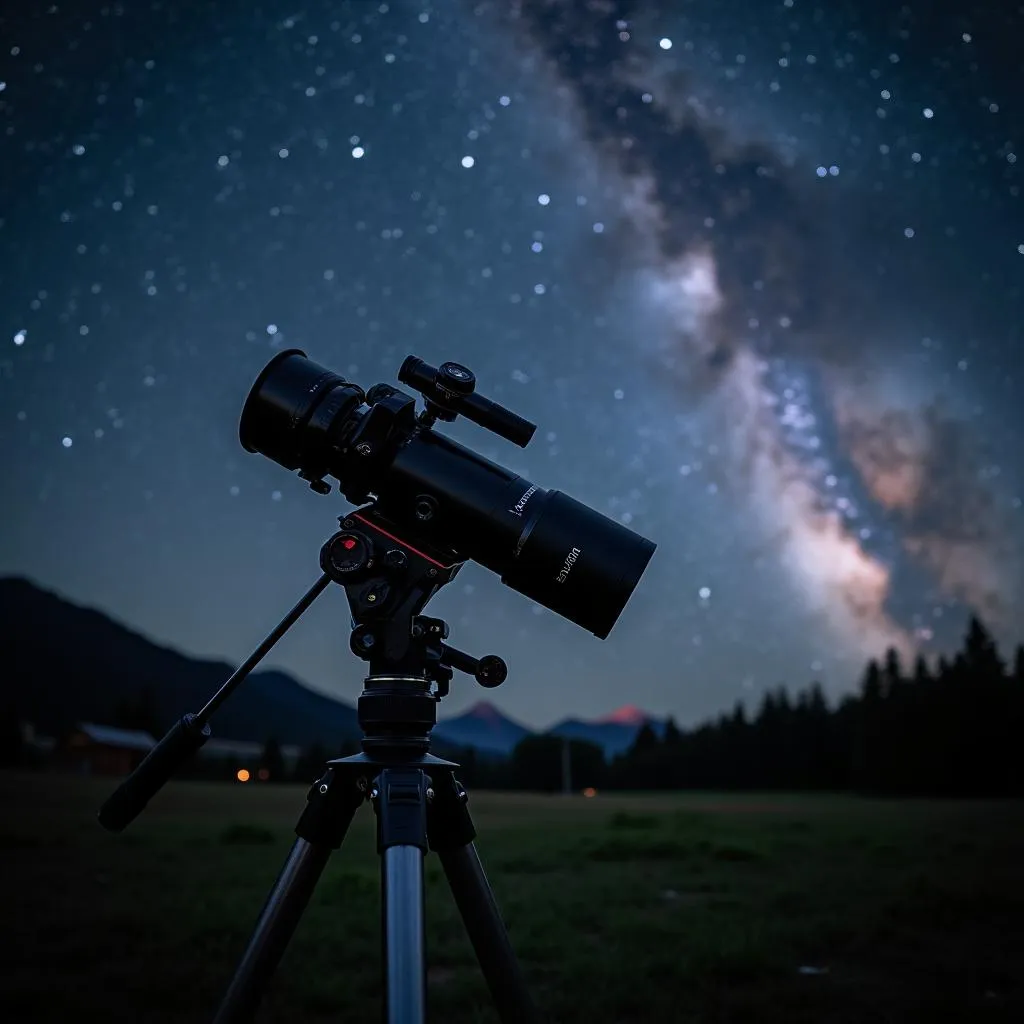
[400,799]
[331,805]
[449,825]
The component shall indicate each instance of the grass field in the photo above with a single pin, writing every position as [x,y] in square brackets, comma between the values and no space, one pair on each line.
[682,907]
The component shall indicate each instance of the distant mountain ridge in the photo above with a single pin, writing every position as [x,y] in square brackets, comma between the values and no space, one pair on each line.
[487,729]
[63,664]
[613,733]
[484,728]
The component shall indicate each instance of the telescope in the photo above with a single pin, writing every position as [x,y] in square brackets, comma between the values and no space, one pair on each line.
[544,544]
[429,505]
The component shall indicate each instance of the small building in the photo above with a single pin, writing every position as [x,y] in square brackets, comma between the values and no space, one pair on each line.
[103,750]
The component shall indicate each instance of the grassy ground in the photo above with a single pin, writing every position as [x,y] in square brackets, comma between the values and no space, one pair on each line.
[687,907]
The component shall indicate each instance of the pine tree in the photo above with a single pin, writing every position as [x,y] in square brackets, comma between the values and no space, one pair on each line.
[866,754]
[981,653]
[871,684]
[892,672]
[921,673]
[673,737]
[646,739]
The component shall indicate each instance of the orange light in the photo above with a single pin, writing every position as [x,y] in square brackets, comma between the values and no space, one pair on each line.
[242,775]
[590,791]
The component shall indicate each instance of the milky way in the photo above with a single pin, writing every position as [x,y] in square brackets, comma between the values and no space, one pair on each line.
[855,478]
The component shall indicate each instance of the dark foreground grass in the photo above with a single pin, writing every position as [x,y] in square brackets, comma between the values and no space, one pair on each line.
[685,907]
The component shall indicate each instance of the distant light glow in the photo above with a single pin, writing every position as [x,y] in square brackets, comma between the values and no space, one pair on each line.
[67,442]
[468,161]
[242,775]
[665,43]
[358,152]
[543,199]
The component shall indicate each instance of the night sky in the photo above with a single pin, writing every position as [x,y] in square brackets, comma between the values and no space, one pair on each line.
[754,270]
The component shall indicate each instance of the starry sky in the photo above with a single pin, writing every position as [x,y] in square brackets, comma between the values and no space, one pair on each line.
[755,271]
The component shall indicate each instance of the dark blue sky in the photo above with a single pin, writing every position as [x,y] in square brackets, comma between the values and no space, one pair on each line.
[755,274]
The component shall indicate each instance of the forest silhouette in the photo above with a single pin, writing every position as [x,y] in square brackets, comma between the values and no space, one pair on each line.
[951,729]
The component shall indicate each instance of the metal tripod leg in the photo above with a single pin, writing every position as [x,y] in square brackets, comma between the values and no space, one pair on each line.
[400,800]
[451,833]
[331,805]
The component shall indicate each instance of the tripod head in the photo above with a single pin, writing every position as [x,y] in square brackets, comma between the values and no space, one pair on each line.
[388,581]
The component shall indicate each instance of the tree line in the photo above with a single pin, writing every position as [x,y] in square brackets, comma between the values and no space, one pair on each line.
[953,729]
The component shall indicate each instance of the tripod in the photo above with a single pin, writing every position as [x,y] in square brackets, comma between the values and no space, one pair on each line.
[418,801]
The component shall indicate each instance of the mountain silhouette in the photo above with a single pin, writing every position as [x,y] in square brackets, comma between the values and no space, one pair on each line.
[613,733]
[484,728]
[64,664]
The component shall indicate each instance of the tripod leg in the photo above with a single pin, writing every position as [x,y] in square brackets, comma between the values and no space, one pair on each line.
[277,923]
[451,836]
[400,797]
[331,805]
